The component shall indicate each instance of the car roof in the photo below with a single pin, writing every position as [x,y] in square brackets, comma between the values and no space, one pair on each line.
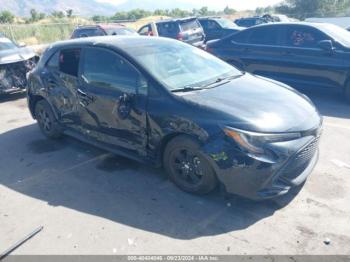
[315,25]
[103,26]
[210,17]
[120,42]
[176,19]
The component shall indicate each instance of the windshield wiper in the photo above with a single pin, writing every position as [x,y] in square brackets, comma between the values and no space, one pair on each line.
[218,81]
[187,89]
[221,80]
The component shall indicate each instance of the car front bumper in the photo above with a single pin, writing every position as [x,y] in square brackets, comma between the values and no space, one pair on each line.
[257,178]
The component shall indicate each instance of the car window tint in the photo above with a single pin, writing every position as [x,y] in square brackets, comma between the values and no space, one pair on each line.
[105,69]
[204,23]
[264,36]
[241,37]
[189,24]
[69,61]
[86,32]
[247,22]
[304,37]
[167,28]
[53,61]
[212,25]
[120,31]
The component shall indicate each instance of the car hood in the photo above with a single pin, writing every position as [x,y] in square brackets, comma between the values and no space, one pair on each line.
[16,55]
[256,104]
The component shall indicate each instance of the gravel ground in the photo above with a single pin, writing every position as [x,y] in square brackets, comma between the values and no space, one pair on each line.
[92,202]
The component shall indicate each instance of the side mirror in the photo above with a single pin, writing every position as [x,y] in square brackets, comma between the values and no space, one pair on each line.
[22,44]
[326,45]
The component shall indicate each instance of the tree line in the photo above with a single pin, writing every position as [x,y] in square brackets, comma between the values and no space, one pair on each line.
[6,17]
[302,9]
[177,12]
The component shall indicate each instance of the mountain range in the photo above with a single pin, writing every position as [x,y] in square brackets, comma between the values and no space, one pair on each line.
[80,7]
[93,7]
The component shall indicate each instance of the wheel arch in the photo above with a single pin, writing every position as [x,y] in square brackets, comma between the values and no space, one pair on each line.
[167,139]
[33,99]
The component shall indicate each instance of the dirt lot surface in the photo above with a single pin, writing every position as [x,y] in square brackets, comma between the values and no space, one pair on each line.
[92,202]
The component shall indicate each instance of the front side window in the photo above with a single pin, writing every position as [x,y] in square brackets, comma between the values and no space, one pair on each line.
[105,69]
[304,37]
[69,61]
[145,30]
[178,65]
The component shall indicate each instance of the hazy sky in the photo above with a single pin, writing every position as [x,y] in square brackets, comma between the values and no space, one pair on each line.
[218,4]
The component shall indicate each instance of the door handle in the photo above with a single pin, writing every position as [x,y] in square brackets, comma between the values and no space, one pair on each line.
[124,105]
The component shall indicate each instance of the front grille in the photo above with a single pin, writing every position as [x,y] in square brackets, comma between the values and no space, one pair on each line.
[300,161]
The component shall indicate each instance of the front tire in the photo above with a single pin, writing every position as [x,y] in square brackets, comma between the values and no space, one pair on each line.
[46,120]
[187,168]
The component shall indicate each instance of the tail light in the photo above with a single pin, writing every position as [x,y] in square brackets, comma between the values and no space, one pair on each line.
[179,36]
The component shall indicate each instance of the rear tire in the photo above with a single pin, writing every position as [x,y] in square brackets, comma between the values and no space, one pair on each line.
[46,120]
[187,168]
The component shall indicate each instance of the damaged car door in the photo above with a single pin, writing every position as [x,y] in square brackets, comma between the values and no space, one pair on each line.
[61,78]
[112,101]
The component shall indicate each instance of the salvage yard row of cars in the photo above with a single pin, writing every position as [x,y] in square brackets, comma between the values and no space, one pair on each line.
[167,103]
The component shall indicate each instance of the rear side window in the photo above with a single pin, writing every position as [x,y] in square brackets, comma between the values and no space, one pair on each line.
[189,24]
[53,62]
[241,37]
[69,61]
[167,28]
[105,69]
[86,32]
[213,25]
[264,36]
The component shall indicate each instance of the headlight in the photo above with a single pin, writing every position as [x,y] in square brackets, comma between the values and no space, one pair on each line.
[255,142]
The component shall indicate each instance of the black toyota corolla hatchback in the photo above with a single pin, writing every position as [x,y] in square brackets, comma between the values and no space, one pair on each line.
[164,102]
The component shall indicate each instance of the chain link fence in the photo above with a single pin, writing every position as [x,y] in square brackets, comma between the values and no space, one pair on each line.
[33,34]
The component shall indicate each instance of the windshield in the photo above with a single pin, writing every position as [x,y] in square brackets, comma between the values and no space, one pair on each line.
[6,43]
[337,33]
[120,31]
[225,23]
[189,24]
[178,65]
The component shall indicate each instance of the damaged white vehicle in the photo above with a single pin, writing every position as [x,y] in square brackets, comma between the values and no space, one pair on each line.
[15,62]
